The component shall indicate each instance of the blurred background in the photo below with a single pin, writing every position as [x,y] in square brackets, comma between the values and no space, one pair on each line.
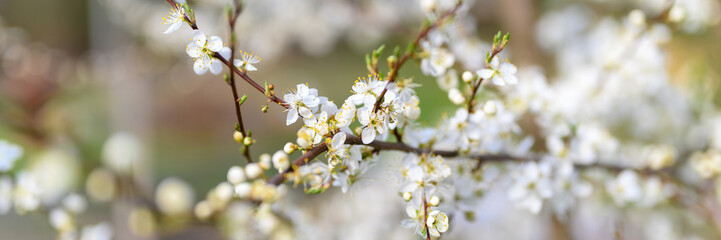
[75,72]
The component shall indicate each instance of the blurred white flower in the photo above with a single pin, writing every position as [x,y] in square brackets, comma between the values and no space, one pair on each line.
[281,161]
[174,196]
[100,231]
[625,189]
[75,203]
[236,175]
[6,194]
[438,60]
[9,153]
[121,151]
[532,185]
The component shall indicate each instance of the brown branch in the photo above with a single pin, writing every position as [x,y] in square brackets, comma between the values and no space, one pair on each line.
[250,81]
[231,78]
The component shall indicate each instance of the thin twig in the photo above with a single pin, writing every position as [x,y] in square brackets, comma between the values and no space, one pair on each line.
[231,78]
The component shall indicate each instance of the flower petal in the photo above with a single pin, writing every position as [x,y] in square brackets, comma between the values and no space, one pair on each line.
[193,50]
[292,117]
[199,67]
[215,44]
[199,38]
[216,66]
[175,26]
[368,135]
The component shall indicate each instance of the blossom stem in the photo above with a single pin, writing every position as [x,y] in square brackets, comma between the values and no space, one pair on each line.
[425,215]
[477,84]
[251,81]
[236,98]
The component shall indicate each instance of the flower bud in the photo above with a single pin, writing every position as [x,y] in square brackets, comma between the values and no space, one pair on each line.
[242,190]
[467,76]
[281,161]
[407,196]
[247,141]
[265,161]
[490,108]
[289,148]
[238,136]
[203,210]
[637,18]
[456,97]
[434,201]
[236,175]
[253,170]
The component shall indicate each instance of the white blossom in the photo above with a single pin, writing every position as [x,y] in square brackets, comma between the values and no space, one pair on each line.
[500,73]
[246,61]
[175,18]
[303,101]
[202,49]
[437,223]
[532,186]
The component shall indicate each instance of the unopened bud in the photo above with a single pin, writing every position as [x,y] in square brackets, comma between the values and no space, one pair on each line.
[247,141]
[238,136]
[407,196]
[289,148]
[253,170]
[434,201]
[467,76]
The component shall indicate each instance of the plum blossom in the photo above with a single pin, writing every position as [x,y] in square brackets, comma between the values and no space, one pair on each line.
[303,101]
[532,186]
[500,73]
[365,90]
[175,18]
[246,62]
[202,49]
[437,223]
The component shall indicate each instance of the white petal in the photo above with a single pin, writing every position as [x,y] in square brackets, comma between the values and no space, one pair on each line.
[173,27]
[225,52]
[338,140]
[215,44]
[199,67]
[498,81]
[250,67]
[495,62]
[305,112]
[511,79]
[369,134]
[199,38]
[238,62]
[302,90]
[485,73]
[292,117]
[508,68]
[216,66]
[193,50]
